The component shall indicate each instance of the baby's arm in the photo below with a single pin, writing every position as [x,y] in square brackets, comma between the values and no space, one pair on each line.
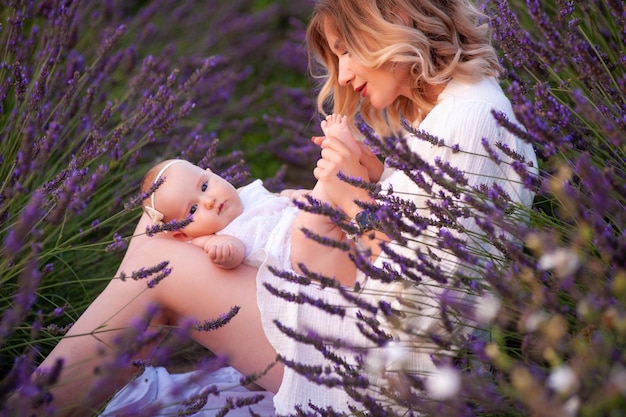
[225,251]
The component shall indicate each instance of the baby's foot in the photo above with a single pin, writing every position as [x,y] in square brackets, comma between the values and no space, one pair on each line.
[336,126]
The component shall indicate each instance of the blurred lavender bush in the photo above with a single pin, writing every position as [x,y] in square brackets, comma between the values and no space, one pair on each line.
[92,92]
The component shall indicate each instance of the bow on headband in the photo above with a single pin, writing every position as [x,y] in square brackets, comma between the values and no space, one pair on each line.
[156,215]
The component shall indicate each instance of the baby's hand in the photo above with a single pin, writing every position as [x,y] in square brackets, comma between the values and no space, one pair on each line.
[225,251]
[295,194]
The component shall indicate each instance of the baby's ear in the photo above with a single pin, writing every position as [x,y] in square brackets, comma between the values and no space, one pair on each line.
[179,235]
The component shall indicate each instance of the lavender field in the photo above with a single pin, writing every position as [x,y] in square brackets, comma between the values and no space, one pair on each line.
[93,93]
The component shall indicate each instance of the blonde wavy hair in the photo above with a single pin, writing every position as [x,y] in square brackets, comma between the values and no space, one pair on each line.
[439,39]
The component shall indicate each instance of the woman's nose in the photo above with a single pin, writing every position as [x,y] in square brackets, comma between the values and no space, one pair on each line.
[345,73]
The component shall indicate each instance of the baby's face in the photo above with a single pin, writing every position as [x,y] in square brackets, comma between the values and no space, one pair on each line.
[190,190]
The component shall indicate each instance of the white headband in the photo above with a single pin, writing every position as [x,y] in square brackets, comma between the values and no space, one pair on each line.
[155,214]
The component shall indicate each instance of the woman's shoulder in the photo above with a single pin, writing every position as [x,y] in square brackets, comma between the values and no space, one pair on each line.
[485,90]
[464,114]
[467,103]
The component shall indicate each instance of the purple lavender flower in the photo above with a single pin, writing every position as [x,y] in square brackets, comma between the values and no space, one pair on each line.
[219,322]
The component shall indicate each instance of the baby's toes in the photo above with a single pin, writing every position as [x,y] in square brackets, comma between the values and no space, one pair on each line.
[324,126]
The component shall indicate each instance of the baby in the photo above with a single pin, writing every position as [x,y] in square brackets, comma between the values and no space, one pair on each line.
[215,206]
[188,190]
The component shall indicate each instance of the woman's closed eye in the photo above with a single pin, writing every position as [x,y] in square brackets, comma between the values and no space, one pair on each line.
[340,52]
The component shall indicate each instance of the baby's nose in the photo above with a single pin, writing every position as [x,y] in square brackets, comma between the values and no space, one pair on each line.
[208,202]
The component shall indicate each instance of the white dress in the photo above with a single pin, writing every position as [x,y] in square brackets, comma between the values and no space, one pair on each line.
[462,116]
[264,226]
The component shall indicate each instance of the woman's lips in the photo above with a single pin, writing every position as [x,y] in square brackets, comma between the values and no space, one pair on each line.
[362,90]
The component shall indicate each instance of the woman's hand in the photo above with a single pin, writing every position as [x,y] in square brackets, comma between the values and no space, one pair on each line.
[370,161]
[367,158]
[336,157]
[295,194]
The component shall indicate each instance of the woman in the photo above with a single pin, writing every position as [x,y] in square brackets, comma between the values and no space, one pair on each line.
[428,61]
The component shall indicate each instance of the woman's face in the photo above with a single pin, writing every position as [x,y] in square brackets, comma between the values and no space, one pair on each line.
[380,86]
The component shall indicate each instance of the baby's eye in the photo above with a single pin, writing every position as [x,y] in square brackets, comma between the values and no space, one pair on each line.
[205,185]
[193,209]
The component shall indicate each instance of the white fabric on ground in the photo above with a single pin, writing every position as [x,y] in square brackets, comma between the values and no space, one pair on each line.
[156,392]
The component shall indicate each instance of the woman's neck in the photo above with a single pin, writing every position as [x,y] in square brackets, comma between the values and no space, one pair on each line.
[431,92]
[430,96]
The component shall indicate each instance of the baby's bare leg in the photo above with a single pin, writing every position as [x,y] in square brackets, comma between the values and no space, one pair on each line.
[326,260]
[322,259]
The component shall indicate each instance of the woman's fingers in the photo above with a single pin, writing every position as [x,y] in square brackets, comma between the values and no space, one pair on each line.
[330,163]
[329,142]
[335,158]
[324,170]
